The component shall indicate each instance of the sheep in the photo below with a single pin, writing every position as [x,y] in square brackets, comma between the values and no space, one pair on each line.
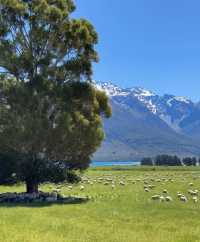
[155,197]
[168,199]
[113,186]
[70,187]
[146,190]
[162,198]
[122,183]
[82,188]
[165,191]
[183,198]
[151,186]
[195,199]
[179,194]
[193,193]
[191,184]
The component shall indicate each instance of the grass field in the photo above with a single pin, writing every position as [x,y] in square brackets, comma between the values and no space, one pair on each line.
[124,213]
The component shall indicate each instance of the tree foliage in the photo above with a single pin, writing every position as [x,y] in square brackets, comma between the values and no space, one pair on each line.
[190,161]
[50,114]
[147,161]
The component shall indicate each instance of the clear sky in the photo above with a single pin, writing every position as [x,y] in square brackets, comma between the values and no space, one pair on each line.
[150,43]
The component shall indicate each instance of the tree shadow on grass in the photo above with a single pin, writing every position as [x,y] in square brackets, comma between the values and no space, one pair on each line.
[65,201]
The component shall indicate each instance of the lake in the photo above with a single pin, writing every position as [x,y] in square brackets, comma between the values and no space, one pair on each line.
[114,163]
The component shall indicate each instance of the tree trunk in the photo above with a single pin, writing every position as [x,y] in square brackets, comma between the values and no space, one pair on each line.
[31,187]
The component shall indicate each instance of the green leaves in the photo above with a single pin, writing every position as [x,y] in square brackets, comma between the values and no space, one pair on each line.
[41,34]
[48,108]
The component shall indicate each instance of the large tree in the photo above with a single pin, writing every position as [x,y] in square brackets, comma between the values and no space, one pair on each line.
[50,114]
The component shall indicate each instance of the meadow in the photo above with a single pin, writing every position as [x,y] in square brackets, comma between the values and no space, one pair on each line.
[119,209]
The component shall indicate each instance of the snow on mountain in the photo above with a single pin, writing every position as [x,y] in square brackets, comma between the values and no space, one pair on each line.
[169,108]
[141,92]
[111,89]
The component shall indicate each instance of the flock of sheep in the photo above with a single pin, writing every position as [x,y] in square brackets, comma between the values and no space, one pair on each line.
[149,185]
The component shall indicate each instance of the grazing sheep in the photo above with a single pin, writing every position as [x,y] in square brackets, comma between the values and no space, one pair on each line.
[151,186]
[165,191]
[179,194]
[155,197]
[146,190]
[168,199]
[113,186]
[183,198]
[191,184]
[162,198]
[122,183]
[82,188]
[193,193]
[195,199]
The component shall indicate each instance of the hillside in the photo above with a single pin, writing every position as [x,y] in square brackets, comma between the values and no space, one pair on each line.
[145,124]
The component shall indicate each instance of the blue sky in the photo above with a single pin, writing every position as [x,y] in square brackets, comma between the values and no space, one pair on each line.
[149,43]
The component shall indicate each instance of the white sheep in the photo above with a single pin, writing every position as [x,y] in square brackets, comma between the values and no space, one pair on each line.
[193,193]
[162,198]
[195,199]
[168,199]
[165,191]
[183,198]
[155,197]
[179,194]
[151,186]
[82,188]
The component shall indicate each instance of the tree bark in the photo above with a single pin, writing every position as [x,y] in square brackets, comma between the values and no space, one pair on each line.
[31,187]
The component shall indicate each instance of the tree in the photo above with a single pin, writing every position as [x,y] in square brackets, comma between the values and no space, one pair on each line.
[50,114]
[167,160]
[187,161]
[147,161]
[190,161]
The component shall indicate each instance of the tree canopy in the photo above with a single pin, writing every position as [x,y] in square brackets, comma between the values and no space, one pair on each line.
[50,113]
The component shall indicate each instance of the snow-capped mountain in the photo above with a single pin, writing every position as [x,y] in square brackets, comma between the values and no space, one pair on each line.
[144,123]
[169,108]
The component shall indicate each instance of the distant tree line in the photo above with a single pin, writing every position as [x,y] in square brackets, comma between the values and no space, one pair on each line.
[169,160]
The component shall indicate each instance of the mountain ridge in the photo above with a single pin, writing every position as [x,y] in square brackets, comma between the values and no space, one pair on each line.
[152,124]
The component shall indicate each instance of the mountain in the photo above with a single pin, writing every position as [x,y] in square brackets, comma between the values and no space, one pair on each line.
[146,124]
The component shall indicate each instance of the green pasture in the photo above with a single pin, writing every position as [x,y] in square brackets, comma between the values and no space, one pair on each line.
[114,213]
